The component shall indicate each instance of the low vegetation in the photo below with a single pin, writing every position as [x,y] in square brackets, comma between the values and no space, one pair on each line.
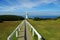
[6,28]
[49,29]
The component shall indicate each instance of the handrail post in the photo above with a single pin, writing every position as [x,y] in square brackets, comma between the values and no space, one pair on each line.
[32,32]
[16,33]
[19,29]
[39,38]
[8,38]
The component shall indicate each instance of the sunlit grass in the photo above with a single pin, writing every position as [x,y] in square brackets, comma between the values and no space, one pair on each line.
[49,29]
[6,27]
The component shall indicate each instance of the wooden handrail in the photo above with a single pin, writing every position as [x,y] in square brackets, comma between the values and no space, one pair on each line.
[16,30]
[34,30]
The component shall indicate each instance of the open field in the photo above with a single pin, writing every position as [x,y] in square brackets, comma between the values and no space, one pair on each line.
[49,29]
[6,27]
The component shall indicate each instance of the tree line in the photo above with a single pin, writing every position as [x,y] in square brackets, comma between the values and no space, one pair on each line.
[10,18]
[37,18]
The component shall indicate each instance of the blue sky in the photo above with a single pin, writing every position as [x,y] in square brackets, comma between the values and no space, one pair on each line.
[30,6]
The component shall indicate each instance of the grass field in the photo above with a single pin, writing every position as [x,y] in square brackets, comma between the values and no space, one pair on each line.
[6,27]
[49,29]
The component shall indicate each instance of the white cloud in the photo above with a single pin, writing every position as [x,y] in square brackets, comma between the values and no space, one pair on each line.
[29,4]
[20,4]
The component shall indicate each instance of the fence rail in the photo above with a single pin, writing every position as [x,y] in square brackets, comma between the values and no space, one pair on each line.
[15,31]
[34,30]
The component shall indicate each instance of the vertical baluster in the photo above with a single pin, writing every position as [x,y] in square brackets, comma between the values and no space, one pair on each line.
[8,39]
[32,32]
[16,33]
[19,29]
[39,38]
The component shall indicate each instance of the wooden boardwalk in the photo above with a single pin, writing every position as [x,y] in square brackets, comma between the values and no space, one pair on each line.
[23,36]
[23,32]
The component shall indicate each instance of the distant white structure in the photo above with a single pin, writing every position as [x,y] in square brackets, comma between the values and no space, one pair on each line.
[26,15]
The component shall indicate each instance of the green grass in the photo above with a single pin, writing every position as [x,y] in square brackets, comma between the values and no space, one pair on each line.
[6,27]
[35,37]
[49,29]
[14,37]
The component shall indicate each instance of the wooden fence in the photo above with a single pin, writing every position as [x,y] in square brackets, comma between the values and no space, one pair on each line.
[34,31]
[15,31]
